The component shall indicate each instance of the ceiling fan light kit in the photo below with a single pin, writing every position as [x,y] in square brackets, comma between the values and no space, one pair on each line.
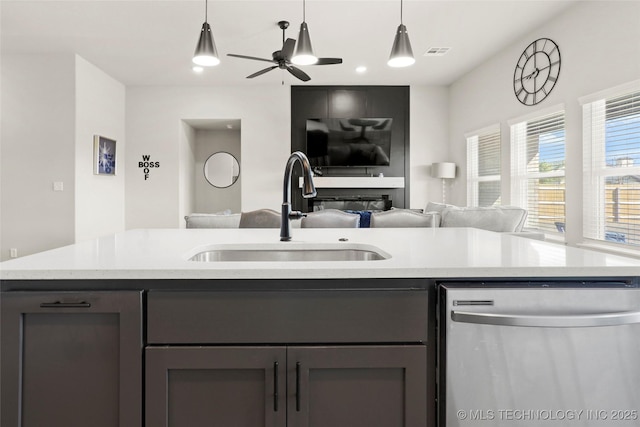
[401,52]
[283,58]
[304,52]
[206,53]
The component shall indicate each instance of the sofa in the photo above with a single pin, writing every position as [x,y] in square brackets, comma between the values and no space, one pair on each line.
[213,220]
[227,219]
[501,219]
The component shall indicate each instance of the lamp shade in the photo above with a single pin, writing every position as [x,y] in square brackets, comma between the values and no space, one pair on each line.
[304,52]
[443,170]
[206,53]
[401,52]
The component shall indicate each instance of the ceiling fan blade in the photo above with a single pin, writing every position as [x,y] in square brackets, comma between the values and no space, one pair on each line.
[287,49]
[328,61]
[261,72]
[297,72]
[251,57]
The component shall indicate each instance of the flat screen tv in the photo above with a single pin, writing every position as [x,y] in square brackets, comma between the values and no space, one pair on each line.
[349,142]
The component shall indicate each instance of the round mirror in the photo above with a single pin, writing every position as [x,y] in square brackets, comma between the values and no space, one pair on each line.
[221,169]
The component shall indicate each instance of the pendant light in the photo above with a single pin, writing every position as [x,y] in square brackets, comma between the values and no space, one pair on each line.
[401,53]
[304,52]
[206,54]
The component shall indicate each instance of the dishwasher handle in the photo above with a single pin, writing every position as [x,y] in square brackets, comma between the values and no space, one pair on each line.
[548,321]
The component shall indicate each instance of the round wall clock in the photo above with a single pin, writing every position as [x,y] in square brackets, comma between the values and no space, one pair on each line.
[537,71]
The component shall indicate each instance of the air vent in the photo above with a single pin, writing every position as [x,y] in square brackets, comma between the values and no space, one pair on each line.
[437,51]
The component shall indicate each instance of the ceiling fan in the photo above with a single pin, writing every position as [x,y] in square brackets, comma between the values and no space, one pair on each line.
[282,58]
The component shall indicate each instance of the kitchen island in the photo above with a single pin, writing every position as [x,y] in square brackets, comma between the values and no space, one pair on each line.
[89,329]
[436,253]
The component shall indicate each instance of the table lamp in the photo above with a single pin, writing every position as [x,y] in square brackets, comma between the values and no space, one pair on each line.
[443,170]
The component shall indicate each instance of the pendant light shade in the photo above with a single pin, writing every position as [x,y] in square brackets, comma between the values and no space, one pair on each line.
[304,52]
[206,53]
[401,52]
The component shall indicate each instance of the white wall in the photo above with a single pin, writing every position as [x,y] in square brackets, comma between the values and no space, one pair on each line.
[429,136]
[186,166]
[210,199]
[37,149]
[99,110]
[600,47]
[153,127]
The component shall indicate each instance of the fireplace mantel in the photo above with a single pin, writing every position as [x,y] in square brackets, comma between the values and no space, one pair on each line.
[357,182]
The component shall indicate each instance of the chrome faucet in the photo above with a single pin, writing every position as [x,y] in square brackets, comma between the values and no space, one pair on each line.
[308,191]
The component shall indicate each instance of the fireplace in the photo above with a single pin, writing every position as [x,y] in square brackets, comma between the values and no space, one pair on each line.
[351,203]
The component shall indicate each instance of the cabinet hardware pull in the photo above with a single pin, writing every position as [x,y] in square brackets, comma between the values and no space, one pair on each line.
[275,386]
[60,304]
[297,386]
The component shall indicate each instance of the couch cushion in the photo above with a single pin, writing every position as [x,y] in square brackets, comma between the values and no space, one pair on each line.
[437,207]
[400,218]
[330,218]
[499,218]
[199,220]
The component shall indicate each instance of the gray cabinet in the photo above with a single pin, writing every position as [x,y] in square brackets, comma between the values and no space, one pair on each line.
[292,317]
[276,358]
[296,386]
[215,386]
[71,359]
[357,386]
[273,358]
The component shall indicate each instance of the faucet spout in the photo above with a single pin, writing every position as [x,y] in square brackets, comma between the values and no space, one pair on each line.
[308,191]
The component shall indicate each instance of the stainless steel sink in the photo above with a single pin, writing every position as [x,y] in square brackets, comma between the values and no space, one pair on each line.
[282,253]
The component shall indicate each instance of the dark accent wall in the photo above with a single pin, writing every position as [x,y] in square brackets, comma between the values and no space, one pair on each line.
[320,102]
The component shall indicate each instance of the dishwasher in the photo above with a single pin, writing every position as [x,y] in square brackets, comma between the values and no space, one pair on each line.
[539,354]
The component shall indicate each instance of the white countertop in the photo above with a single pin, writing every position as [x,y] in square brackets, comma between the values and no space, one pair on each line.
[415,253]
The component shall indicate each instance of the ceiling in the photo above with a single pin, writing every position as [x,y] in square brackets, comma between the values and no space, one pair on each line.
[150,42]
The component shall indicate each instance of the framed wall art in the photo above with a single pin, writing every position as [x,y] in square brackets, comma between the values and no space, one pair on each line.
[104,155]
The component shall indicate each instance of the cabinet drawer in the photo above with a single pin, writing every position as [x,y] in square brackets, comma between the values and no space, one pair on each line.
[180,317]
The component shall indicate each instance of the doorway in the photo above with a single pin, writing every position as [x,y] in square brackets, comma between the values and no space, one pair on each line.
[210,151]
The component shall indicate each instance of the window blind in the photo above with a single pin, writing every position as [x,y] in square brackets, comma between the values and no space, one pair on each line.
[483,168]
[611,146]
[538,171]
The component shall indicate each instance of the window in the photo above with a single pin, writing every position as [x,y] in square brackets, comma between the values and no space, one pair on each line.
[612,168]
[538,171]
[483,168]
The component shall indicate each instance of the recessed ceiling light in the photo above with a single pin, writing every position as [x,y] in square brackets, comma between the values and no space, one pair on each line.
[229,126]
[197,69]
[437,51]
[361,69]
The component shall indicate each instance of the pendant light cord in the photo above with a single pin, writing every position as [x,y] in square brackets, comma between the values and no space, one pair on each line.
[304,9]
[401,13]
[205,10]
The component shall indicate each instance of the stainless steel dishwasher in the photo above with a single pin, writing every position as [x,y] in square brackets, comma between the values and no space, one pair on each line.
[539,355]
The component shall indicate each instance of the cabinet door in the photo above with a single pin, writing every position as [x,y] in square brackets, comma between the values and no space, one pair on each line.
[215,386]
[71,359]
[366,386]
